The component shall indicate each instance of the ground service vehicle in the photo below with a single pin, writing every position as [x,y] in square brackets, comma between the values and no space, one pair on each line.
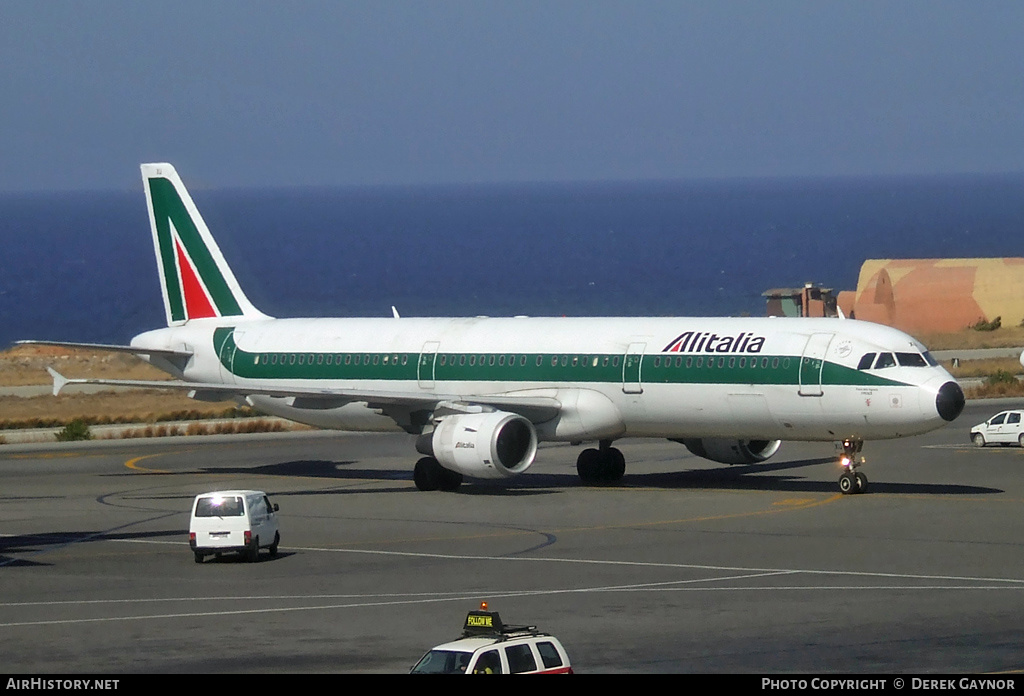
[1006,427]
[488,646]
[233,521]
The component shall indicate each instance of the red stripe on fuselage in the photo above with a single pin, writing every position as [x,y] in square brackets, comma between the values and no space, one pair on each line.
[197,303]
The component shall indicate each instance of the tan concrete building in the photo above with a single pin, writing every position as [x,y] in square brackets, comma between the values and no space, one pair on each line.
[922,296]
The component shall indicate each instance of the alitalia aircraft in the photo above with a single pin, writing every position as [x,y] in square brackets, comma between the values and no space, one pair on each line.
[480,393]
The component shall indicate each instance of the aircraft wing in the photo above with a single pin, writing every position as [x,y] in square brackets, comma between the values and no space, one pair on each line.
[537,409]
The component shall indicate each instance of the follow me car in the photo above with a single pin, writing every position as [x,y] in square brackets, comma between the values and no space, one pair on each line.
[488,646]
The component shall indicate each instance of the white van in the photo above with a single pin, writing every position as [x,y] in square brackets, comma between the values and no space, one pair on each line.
[233,521]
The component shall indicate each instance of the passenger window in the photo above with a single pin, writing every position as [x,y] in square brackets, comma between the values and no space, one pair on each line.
[885,360]
[549,654]
[520,659]
[1013,418]
[998,420]
[488,663]
[865,361]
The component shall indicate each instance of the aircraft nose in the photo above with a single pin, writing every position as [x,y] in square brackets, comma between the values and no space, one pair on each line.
[950,401]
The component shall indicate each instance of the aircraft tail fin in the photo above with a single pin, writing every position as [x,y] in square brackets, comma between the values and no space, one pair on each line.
[195,279]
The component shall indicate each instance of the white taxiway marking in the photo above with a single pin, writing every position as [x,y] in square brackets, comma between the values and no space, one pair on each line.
[923,582]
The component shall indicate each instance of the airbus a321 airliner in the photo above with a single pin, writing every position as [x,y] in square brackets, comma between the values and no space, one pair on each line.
[480,393]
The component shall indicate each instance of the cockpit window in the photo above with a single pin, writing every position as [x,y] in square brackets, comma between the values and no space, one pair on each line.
[911,360]
[885,360]
[865,362]
[930,360]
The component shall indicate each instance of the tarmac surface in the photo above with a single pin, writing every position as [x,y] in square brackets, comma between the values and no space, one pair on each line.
[686,566]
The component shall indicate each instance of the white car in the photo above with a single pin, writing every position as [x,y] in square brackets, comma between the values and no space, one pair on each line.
[1004,428]
[233,521]
[488,646]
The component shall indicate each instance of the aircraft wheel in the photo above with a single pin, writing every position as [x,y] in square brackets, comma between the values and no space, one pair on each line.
[615,465]
[449,480]
[861,481]
[978,439]
[588,466]
[426,475]
[847,483]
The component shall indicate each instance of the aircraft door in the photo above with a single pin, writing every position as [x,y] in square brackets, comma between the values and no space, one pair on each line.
[425,369]
[631,364]
[226,357]
[812,362]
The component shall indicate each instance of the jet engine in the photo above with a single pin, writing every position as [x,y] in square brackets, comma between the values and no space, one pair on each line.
[732,451]
[490,445]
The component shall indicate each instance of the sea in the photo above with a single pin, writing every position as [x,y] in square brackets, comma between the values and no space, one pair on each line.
[79,266]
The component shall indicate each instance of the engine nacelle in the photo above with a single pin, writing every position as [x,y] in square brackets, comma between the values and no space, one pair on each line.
[732,451]
[490,445]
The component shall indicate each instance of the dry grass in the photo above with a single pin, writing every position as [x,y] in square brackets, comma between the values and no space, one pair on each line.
[994,391]
[1005,337]
[26,365]
[252,425]
[983,368]
[138,406]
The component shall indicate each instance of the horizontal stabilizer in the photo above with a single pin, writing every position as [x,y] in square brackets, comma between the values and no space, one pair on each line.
[110,348]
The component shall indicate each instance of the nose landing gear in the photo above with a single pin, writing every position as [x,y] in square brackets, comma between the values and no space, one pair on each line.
[852,481]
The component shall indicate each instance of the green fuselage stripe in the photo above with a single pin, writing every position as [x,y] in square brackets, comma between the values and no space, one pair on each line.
[658,368]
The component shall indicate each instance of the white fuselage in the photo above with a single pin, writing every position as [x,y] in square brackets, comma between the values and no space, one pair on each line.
[748,378]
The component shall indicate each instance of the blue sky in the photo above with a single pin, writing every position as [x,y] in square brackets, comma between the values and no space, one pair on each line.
[389,92]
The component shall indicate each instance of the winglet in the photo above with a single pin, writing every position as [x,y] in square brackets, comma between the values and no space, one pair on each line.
[59,380]
[394,312]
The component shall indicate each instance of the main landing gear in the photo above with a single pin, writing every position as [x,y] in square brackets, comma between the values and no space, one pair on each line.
[603,465]
[429,475]
[852,481]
